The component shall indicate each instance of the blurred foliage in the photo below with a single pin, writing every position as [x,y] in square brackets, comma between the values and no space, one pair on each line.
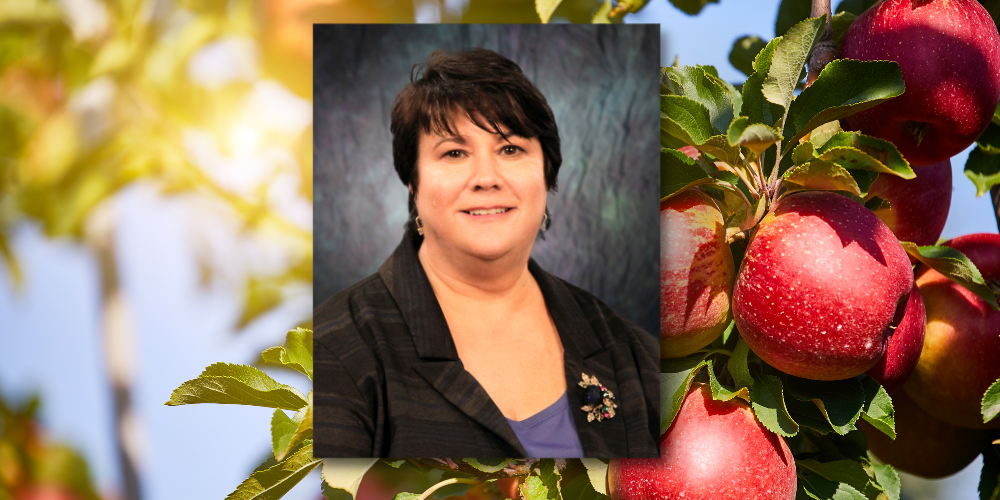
[33,467]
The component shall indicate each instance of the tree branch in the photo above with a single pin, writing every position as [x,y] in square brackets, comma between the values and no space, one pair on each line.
[825,50]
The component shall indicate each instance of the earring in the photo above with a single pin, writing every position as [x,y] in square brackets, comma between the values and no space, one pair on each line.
[545,221]
[420,229]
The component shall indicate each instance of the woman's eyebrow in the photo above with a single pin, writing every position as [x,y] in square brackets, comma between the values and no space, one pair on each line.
[458,139]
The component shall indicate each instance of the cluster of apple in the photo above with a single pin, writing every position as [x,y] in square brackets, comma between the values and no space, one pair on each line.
[828,289]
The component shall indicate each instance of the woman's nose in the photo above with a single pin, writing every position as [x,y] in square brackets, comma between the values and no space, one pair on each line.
[486,172]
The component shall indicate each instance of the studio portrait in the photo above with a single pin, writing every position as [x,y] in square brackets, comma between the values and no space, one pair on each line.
[486,241]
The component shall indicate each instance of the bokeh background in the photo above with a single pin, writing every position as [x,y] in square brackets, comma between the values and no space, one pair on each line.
[156,215]
[604,235]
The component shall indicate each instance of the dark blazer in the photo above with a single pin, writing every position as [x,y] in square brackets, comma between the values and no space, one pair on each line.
[389,383]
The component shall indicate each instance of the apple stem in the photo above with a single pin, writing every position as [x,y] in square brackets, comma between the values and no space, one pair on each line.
[826,49]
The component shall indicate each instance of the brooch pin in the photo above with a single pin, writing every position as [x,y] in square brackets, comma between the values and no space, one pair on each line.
[599,402]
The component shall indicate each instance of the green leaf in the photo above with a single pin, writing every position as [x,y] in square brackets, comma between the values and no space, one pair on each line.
[803,153]
[738,365]
[597,473]
[721,392]
[790,13]
[718,146]
[11,261]
[876,203]
[990,140]
[840,401]
[865,179]
[675,380]
[745,49]
[546,8]
[342,476]
[224,383]
[550,476]
[983,169]
[259,297]
[789,58]
[297,353]
[274,482]
[848,472]
[888,479]
[991,402]
[691,7]
[878,409]
[841,22]
[580,489]
[754,104]
[823,133]
[843,88]
[989,476]
[677,170]
[534,488]
[282,430]
[824,489]
[699,84]
[956,267]
[878,155]
[820,175]
[404,496]
[490,466]
[855,7]
[755,136]
[768,403]
[996,114]
[685,119]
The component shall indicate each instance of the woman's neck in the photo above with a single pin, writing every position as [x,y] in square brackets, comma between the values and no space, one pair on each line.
[455,275]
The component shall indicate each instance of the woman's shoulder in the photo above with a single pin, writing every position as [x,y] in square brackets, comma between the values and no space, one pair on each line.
[345,307]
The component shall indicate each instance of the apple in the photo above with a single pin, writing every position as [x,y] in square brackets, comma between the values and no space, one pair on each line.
[903,348]
[918,207]
[961,353]
[924,445]
[713,450]
[696,273]
[821,280]
[949,53]
[46,492]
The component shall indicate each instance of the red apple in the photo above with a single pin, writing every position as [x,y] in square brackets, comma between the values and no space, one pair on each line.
[821,281]
[924,445]
[918,207]
[949,53]
[696,273]
[961,354]
[713,450]
[903,348]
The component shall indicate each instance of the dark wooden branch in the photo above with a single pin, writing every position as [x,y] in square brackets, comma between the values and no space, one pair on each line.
[825,50]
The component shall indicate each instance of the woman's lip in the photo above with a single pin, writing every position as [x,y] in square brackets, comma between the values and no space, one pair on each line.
[488,211]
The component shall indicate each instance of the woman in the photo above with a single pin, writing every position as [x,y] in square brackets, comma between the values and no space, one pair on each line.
[461,345]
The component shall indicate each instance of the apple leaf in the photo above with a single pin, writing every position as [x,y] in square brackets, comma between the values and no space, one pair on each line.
[807,414]
[342,476]
[534,488]
[699,84]
[685,119]
[721,392]
[878,155]
[956,267]
[990,140]
[745,49]
[719,147]
[545,9]
[769,405]
[582,488]
[875,204]
[755,136]
[841,22]
[597,471]
[848,472]
[601,16]
[823,133]
[738,365]
[803,153]
[840,401]
[888,478]
[273,482]
[691,7]
[297,353]
[843,88]
[878,410]
[789,58]
[820,488]
[490,466]
[983,169]
[822,175]
[675,380]
[991,402]
[989,477]
[996,115]
[755,105]
[677,170]
[855,7]
[224,383]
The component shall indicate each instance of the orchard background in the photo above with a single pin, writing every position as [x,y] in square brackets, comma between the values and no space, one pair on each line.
[204,280]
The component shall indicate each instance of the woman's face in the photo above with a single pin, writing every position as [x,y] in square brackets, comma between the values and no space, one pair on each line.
[478,193]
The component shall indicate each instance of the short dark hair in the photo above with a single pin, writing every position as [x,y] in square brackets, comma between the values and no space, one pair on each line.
[491,89]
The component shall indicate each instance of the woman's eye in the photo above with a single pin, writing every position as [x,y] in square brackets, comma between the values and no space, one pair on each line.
[510,150]
[455,153]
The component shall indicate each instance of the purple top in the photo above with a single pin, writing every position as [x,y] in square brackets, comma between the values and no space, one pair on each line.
[550,433]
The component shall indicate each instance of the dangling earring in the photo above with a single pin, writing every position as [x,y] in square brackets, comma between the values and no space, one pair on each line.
[545,220]
[420,229]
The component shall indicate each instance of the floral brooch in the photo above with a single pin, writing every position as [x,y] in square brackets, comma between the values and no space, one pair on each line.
[598,401]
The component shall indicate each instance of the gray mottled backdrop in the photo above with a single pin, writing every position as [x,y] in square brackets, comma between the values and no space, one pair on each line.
[601,83]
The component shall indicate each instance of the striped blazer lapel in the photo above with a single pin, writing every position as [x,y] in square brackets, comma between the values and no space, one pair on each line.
[439,363]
